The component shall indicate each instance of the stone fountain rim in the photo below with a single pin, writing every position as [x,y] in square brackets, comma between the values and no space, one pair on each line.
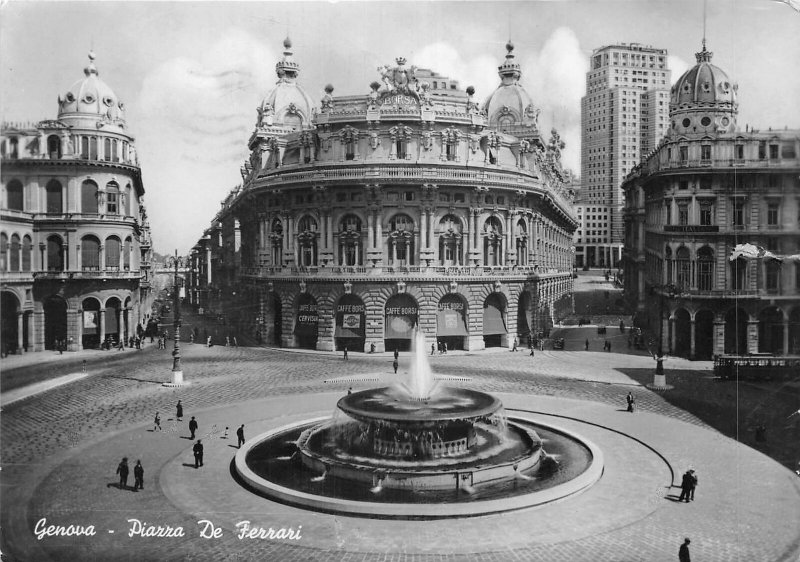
[304,500]
[376,411]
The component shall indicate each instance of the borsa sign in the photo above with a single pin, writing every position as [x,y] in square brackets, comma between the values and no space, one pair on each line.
[398,99]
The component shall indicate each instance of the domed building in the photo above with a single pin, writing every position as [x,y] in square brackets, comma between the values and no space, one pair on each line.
[409,205]
[706,189]
[74,237]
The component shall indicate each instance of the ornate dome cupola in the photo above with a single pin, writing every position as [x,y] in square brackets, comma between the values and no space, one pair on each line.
[510,104]
[90,99]
[287,105]
[703,100]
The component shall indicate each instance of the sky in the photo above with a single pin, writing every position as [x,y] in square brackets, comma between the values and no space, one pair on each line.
[191,74]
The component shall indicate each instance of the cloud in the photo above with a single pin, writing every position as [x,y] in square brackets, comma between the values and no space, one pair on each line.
[193,113]
[480,72]
[677,66]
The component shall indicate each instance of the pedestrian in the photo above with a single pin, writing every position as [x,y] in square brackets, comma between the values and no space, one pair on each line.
[609,347]
[122,470]
[686,486]
[629,399]
[138,476]
[345,353]
[198,454]
[240,435]
[157,423]
[191,338]
[683,552]
[350,390]
[192,427]
[178,411]
[433,349]
[394,364]
[372,347]
[60,348]
[515,345]
[121,344]
[208,341]
[444,347]
[225,436]
[694,485]
[532,353]
[235,342]
[227,341]
[396,353]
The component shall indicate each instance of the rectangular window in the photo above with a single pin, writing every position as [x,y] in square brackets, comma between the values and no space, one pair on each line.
[705,182]
[683,184]
[341,197]
[684,153]
[773,152]
[772,214]
[111,204]
[705,269]
[705,152]
[738,212]
[705,214]
[762,150]
[408,195]
[740,152]
[669,213]
[458,198]
[683,214]
[392,196]
[773,275]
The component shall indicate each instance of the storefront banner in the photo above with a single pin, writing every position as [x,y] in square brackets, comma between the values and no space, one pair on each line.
[351,321]
[90,321]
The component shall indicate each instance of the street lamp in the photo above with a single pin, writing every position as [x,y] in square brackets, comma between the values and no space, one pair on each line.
[177,371]
[660,379]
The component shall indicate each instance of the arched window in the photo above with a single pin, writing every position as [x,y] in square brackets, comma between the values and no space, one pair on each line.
[14,258]
[55,254]
[3,252]
[93,148]
[401,240]
[307,240]
[115,150]
[27,253]
[54,147]
[450,241]
[350,253]
[107,150]
[112,198]
[55,198]
[276,243]
[128,193]
[112,253]
[683,268]
[493,242]
[90,253]
[522,243]
[89,197]
[14,194]
[126,254]
[85,148]
[772,270]
[705,268]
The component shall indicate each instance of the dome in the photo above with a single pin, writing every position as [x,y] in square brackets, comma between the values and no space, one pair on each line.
[703,99]
[510,104]
[90,97]
[287,104]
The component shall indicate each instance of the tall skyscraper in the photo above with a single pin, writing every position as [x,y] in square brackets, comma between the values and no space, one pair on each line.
[624,115]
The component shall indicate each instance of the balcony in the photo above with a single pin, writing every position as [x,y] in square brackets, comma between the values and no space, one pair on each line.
[394,272]
[16,276]
[87,274]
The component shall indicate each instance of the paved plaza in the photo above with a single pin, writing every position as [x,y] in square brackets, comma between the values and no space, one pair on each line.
[61,446]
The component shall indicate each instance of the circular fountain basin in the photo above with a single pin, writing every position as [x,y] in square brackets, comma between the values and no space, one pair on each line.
[389,404]
[272,465]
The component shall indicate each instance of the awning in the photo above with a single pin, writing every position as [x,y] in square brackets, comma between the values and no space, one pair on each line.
[342,332]
[493,321]
[450,323]
[400,327]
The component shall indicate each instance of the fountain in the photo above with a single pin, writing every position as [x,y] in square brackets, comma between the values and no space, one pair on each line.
[402,450]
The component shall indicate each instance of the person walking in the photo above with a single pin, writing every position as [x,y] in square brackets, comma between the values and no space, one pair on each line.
[532,352]
[515,345]
[198,454]
[240,435]
[586,345]
[433,349]
[235,342]
[395,364]
[686,486]
[345,353]
[122,470]
[178,411]
[157,423]
[192,427]
[208,342]
[444,347]
[629,399]
[138,476]
[683,551]
[396,353]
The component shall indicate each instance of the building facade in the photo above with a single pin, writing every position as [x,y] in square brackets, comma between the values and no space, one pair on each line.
[74,236]
[624,115]
[408,206]
[707,188]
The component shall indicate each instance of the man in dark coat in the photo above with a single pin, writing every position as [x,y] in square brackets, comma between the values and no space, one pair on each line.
[694,485]
[240,435]
[629,399]
[138,476]
[179,411]
[686,486]
[192,427]
[683,552]
[122,470]
[198,454]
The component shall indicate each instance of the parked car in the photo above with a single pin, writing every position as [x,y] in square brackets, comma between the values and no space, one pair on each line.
[558,343]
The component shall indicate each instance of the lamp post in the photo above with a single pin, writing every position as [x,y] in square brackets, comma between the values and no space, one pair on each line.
[659,378]
[177,371]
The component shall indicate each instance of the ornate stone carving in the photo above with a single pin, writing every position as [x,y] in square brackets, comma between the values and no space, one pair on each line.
[401,287]
[348,287]
[399,80]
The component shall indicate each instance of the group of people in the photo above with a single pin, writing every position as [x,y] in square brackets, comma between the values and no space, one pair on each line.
[197,449]
[688,485]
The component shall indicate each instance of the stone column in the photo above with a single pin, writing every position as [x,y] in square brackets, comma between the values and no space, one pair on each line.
[120,327]
[719,336]
[423,219]
[752,336]
[370,233]
[691,338]
[20,328]
[431,233]
[102,314]
[786,335]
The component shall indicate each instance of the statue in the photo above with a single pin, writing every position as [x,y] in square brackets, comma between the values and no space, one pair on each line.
[327,99]
[374,140]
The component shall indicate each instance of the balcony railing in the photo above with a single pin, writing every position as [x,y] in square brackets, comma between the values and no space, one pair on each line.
[16,276]
[412,271]
[88,274]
